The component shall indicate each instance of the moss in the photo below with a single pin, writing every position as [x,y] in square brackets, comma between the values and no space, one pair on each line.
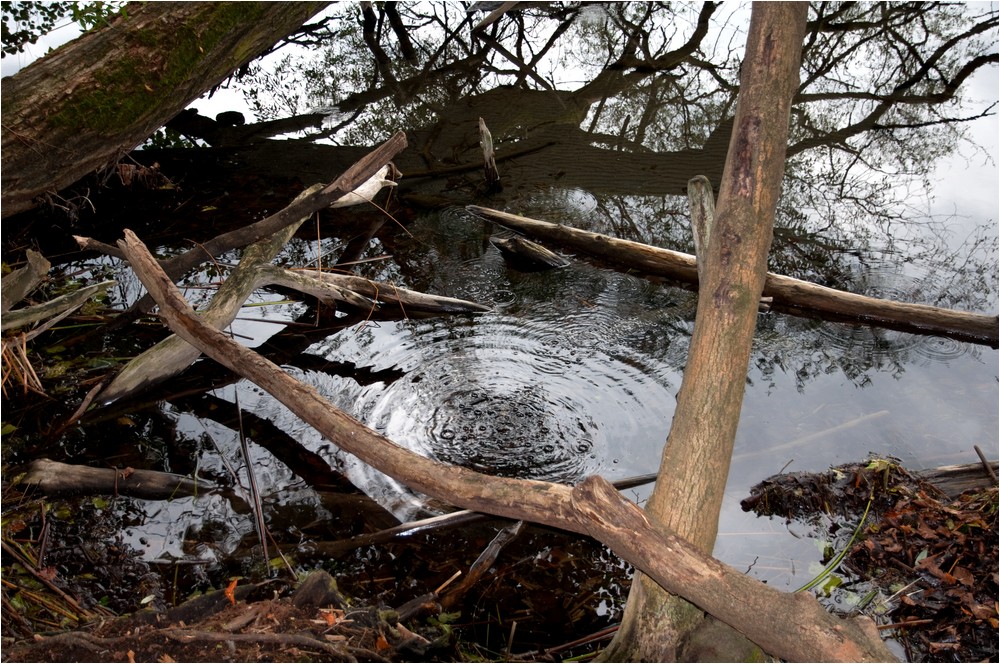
[136,86]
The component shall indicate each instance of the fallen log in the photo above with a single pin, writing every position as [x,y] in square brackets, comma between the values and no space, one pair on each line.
[595,508]
[954,480]
[324,285]
[792,295]
[54,478]
[59,307]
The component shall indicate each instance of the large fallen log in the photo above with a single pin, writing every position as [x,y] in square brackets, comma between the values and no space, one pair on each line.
[789,626]
[788,294]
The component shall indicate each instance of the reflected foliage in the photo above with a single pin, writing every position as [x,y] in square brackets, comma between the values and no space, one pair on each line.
[631,99]
[882,87]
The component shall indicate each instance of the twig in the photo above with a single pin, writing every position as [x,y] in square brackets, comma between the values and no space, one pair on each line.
[986,464]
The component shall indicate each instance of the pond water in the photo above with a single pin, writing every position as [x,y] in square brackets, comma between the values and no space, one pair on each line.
[572,372]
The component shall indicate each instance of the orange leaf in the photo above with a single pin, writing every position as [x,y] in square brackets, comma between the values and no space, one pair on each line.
[381,643]
[231,591]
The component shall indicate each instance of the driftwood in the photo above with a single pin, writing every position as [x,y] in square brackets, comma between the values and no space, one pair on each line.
[172,355]
[954,480]
[56,308]
[55,478]
[793,294]
[528,256]
[22,281]
[349,181]
[594,507]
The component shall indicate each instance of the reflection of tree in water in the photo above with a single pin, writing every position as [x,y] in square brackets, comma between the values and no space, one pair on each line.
[625,102]
[653,82]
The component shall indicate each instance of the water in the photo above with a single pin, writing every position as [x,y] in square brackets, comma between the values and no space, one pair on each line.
[574,372]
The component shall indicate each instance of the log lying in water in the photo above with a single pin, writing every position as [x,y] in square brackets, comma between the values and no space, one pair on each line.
[528,256]
[55,478]
[172,355]
[792,295]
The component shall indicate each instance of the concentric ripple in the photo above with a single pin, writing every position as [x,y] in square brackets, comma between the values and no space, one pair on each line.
[515,398]
[887,280]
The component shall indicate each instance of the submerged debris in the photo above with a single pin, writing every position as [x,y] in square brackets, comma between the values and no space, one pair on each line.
[933,557]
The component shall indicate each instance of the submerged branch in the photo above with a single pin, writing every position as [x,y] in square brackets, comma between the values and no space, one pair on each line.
[793,295]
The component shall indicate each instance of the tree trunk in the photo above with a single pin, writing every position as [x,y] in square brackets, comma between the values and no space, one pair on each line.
[87,103]
[695,464]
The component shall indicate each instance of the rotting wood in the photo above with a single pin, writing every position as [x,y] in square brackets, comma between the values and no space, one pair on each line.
[528,256]
[349,180]
[59,307]
[808,632]
[384,295]
[172,355]
[953,480]
[55,478]
[793,295]
[23,280]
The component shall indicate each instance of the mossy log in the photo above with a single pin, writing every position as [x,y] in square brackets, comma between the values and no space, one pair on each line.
[79,108]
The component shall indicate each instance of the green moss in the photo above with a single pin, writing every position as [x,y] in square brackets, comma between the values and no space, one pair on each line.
[136,86]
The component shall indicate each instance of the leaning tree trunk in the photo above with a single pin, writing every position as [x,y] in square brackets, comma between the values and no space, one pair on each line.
[695,464]
[85,104]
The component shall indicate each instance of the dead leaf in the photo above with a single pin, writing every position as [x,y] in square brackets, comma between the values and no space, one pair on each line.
[381,643]
[231,591]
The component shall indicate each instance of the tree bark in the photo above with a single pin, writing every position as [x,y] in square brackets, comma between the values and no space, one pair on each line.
[789,295]
[87,103]
[793,627]
[695,466]
[55,478]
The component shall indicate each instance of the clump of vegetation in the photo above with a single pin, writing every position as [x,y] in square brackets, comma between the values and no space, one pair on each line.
[929,559]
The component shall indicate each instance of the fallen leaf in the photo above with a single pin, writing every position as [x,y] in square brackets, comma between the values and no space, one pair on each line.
[381,643]
[231,591]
